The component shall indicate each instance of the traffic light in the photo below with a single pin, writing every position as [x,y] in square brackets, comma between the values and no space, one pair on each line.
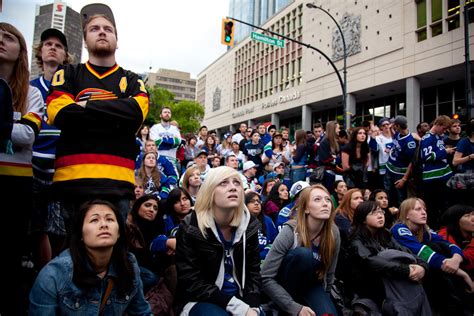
[456,116]
[227,32]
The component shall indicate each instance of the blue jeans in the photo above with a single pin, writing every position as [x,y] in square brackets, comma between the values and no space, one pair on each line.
[392,191]
[298,278]
[206,309]
[149,278]
[298,174]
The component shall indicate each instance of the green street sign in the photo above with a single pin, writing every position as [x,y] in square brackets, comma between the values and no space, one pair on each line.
[267,39]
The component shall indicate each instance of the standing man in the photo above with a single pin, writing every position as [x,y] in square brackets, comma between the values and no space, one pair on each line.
[238,137]
[202,135]
[436,170]
[399,160]
[51,52]
[98,106]
[167,137]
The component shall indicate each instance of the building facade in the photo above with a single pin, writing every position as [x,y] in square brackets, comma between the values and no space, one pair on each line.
[256,12]
[177,82]
[57,15]
[403,57]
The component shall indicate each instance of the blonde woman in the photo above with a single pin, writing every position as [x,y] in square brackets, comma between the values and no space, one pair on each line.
[299,269]
[217,253]
[443,285]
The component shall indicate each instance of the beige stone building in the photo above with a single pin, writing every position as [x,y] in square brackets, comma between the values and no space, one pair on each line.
[404,57]
[178,82]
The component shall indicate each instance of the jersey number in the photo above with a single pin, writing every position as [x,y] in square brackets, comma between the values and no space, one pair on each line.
[58,78]
[427,151]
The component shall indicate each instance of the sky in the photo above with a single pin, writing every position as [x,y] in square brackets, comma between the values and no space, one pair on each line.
[173,34]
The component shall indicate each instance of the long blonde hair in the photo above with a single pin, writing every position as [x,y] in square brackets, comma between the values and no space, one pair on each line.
[204,206]
[405,207]
[189,172]
[19,80]
[328,241]
[332,136]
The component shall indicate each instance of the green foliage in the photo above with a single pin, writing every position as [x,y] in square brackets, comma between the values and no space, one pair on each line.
[188,114]
[159,97]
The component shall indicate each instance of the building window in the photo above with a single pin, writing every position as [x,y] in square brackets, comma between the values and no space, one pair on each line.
[453,16]
[421,20]
[436,17]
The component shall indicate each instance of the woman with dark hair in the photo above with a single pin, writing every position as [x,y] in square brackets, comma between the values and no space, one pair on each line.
[178,205]
[355,159]
[298,272]
[370,247]
[299,157]
[210,146]
[143,135]
[267,187]
[339,189]
[143,226]
[459,229]
[94,270]
[22,112]
[267,231]
[391,213]
[329,153]
[277,198]
[274,152]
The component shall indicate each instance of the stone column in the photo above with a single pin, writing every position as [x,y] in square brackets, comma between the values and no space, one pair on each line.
[306,117]
[413,102]
[276,120]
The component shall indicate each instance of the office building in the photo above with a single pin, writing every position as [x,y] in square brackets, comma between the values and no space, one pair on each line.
[403,58]
[57,15]
[177,82]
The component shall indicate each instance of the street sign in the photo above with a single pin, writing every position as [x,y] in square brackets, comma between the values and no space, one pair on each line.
[267,39]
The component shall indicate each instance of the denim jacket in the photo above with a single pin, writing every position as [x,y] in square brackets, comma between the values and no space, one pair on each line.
[54,293]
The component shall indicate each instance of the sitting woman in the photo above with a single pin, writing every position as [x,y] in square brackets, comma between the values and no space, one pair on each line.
[391,213]
[154,181]
[268,231]
[458,230]
[298,272]
[192,182]
[94,270]
[345,212]
[143,225]
[369,242]
[217,254]
[339,190]
[277,198]
[444,259]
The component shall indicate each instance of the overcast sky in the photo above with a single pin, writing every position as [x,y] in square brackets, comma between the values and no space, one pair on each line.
[173,34]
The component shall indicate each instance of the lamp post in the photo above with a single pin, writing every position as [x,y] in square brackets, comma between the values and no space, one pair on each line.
[347,120]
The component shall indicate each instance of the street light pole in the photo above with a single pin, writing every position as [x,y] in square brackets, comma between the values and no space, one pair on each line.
[347,119]
[467,68]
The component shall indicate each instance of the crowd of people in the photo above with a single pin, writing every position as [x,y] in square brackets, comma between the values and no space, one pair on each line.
[125,218]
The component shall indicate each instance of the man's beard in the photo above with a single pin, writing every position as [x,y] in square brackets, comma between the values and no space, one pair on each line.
[102,51]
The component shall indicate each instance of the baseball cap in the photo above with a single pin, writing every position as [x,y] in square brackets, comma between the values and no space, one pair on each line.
[201,152]
[276,165]
[383,121]
[96,9]
[248,165]
[400,120]
[54,33]
[227,135]
[297,187]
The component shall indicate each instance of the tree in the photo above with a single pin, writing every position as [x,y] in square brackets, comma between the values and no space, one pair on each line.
[188,114]
[159,97]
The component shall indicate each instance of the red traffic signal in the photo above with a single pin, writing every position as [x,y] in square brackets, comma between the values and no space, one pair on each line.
[227,37]
[456,116]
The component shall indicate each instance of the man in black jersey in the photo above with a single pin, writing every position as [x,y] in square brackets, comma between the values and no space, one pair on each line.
[99,106]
